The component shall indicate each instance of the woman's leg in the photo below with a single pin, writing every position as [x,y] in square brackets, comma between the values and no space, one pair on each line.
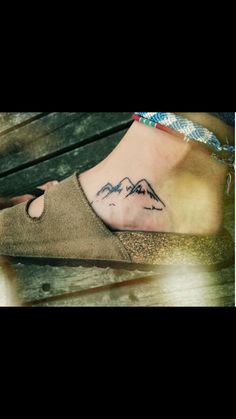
[154,181]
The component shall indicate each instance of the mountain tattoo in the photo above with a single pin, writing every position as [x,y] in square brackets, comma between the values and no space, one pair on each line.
[126,189]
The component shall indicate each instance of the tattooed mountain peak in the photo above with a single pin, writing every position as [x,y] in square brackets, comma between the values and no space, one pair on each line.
[127,189]
[125,185]
[143,188]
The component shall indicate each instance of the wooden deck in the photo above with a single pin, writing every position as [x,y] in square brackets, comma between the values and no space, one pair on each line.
[37,147]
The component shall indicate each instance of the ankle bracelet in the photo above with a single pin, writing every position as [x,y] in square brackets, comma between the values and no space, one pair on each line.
[189,131]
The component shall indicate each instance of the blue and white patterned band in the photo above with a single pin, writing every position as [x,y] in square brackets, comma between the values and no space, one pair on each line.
[192,131]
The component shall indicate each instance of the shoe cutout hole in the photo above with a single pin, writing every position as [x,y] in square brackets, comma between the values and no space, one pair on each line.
[36,207]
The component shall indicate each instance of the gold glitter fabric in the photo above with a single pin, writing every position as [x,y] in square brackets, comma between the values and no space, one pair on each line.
[177,249]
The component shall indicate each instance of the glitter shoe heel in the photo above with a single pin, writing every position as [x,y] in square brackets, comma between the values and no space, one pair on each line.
[179,251]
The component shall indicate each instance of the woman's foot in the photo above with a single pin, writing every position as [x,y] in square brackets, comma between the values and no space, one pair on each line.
[154,181]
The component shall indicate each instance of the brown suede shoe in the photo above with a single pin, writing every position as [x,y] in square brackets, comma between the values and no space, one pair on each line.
[70,232]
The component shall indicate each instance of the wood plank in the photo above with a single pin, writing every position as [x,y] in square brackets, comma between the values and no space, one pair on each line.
[58,285]
[70,286]
[54,134]
[60,167]
[23,144]
[11,120]
[156,293]
[45,286]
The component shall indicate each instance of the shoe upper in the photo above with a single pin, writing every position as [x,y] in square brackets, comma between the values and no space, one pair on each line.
[68,228]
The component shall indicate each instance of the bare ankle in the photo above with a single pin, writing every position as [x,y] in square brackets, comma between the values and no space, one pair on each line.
[187,185]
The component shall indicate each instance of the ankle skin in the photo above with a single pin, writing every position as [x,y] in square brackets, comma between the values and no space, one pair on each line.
[184,177]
